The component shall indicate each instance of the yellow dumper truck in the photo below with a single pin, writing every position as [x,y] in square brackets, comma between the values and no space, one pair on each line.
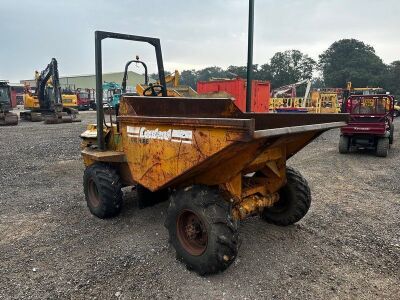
[215,164]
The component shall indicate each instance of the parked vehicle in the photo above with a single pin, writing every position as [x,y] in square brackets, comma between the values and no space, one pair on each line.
[370,125]
[216,164]
[45,102]
[7,117]
[396,108]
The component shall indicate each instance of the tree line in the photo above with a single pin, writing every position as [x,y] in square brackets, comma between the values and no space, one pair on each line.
[345,60]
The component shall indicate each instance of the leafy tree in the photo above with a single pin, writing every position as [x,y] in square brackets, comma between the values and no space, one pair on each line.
[189,77]
[155,77]
[264,73]
[392,78]
[237,71]
[290,66]
[259,73]
[351,60]
[317,83]
[210,72]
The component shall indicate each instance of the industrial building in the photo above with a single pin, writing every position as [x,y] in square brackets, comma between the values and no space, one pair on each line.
[89,81]
[16,94]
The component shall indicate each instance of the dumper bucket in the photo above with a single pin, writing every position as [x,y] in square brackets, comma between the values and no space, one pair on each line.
[173,141]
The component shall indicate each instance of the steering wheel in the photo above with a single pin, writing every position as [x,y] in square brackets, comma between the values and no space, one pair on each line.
[153,90]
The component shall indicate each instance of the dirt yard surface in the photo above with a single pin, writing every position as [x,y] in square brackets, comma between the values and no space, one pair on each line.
[347,247]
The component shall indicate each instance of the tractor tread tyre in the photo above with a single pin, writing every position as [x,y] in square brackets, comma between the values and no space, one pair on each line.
[147,198]
[109,189]
[382,147]
[222,236]
[344,142]
[294,203]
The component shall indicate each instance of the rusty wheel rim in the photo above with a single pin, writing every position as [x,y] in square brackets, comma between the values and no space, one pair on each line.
[192,232]
[94,198]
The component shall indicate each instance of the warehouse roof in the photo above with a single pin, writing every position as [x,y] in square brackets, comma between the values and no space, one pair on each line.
[89,81]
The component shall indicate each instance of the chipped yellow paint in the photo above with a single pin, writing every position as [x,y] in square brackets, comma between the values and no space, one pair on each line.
[156,160]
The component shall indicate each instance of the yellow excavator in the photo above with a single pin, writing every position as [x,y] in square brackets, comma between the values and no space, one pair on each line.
[45,101]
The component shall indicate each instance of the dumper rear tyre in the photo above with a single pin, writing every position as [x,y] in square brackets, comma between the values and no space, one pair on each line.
[201,229]
[103,190]
[344,144]
[382,147]
[294,201]
[147,198]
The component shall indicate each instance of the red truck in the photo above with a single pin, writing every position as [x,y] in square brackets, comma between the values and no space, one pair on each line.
[237,89]
[370,125]
[84,102]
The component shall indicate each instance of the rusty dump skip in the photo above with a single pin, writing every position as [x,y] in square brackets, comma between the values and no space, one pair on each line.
[178,141]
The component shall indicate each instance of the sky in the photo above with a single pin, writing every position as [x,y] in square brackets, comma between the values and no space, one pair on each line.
[194,34]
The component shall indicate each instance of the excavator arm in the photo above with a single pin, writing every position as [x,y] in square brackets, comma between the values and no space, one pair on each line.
[173,78]
[49,77]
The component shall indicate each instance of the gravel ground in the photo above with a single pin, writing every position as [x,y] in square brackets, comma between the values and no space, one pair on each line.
[348,245]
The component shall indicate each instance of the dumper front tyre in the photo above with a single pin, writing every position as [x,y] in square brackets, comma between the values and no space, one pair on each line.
[202,230]
[382,147]
[344,144]
[147,198]
[102,187]
[294,201]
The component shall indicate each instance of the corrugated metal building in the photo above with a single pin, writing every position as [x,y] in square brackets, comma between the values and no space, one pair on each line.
[89,81]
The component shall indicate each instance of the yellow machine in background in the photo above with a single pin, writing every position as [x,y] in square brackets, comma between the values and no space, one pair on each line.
[316,101]
[69,99]
[173,78]
[285,97]
[397,109]
[285,102]
[31,101]
[45,101]
[323,102]
[174,89]
[319,102]
[364,90]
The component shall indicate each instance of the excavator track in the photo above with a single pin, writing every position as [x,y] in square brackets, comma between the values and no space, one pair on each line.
[68,116]
[31,116]
[8,119]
